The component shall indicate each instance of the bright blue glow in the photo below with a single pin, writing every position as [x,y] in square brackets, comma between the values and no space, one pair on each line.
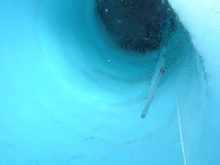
[67,97]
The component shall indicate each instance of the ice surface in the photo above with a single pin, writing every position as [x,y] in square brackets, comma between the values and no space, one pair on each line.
[202,22]
[66,97]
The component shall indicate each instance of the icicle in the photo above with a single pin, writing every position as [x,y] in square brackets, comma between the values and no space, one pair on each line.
[158,73]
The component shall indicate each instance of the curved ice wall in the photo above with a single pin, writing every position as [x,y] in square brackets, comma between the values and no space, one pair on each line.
[67,97]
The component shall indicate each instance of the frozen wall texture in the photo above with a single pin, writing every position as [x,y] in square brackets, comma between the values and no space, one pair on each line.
[69,96]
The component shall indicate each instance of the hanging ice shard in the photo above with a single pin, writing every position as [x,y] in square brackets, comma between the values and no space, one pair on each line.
[159,69]
[158,73]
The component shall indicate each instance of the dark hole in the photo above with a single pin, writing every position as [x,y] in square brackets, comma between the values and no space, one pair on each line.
[136,25]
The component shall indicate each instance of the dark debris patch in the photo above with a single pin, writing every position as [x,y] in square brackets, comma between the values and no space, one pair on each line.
[136,25]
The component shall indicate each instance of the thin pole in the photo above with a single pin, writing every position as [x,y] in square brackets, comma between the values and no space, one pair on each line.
[180,127]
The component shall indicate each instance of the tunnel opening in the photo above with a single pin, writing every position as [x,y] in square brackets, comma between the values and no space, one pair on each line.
[113,70]
[137,26]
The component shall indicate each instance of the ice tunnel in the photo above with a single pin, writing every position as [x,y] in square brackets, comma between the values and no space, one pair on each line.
[76,76]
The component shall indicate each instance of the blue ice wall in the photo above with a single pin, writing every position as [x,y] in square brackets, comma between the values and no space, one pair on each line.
[68,97]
